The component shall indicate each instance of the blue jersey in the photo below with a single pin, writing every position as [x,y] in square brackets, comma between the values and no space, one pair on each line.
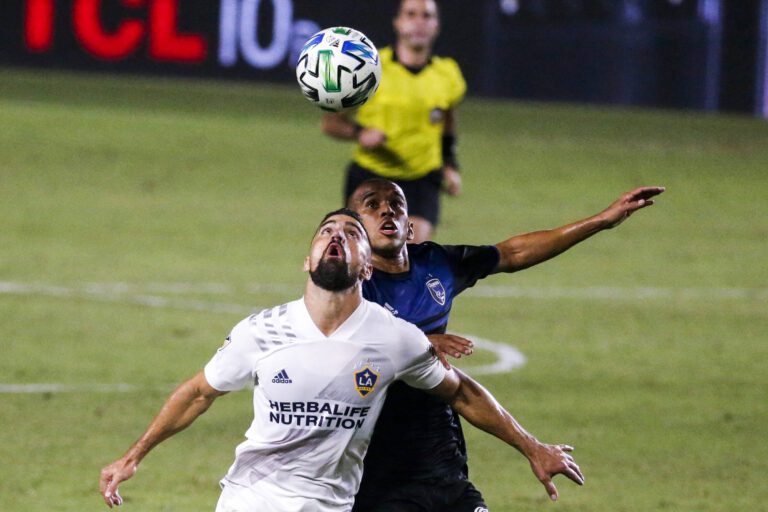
[418,436]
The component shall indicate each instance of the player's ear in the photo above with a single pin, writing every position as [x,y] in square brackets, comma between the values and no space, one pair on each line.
[367,272]
[306,264]
[411,234]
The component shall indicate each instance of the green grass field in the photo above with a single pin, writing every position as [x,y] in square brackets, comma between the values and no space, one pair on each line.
[142,218]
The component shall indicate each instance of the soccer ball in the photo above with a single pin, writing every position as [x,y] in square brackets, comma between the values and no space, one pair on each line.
[338,69]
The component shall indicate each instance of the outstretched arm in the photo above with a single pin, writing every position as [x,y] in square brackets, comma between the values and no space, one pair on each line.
[523,251]
[477,405]
[186,403]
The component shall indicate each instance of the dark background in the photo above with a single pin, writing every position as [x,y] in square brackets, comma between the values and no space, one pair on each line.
[691,54]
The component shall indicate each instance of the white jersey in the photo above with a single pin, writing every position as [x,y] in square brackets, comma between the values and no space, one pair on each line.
[316,399]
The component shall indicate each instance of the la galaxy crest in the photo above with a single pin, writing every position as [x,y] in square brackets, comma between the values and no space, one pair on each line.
[437,291]
[365,380]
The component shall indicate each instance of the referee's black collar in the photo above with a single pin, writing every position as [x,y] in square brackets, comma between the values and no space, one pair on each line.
[415,70]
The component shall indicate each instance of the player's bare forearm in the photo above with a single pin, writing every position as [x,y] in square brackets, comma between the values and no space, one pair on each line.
[339,126]
[183,406]
[191,399]
[523,251]
[481,409]
[529,249]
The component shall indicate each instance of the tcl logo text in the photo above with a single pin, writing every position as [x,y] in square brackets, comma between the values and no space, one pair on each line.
[113,30]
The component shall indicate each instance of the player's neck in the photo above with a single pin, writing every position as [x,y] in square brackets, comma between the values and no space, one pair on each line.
[392,264]
[329,310]
[413,57]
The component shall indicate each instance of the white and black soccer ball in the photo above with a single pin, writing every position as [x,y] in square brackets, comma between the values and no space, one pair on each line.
[338,69]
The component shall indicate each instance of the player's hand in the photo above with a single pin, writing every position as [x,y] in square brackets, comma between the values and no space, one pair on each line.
[629,203]
[451,181]
[548,460]
[371,138]
[111,477]
[450,345]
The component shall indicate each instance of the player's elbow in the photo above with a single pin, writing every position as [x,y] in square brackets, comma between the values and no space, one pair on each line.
[515,256]
[460,395]
[202,403]
[447,389]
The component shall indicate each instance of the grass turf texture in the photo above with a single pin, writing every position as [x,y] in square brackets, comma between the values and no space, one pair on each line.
[155,182]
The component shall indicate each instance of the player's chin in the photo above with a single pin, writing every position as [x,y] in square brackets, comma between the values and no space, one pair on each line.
[388,236]
[421,41]
[387,247]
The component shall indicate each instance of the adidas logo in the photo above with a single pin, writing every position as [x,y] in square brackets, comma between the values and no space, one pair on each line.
[282,378]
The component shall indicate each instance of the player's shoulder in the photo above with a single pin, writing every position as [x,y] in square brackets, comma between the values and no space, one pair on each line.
[386,55]
[426,246]
[425,251]
[429,257]
[446,64]
[431,253]
[379,314]
[446,70]
[383,317]
[263,319]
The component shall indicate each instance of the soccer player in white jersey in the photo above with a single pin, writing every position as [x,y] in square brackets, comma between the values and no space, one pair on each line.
[320,367]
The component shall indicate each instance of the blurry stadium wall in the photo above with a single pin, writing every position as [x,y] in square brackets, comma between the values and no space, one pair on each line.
[696,54]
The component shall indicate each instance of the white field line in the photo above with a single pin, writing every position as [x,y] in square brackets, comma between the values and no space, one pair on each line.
[508,358]
[67,388]
[638,293]
[115,293]
[143,294]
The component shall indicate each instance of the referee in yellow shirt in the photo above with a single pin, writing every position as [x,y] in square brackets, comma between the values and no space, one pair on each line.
[406,132]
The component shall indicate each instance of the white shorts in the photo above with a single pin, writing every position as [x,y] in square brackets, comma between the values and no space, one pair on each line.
[234,499]
[237,498]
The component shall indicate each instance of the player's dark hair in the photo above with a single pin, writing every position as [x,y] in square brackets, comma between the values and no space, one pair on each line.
[377,181]
[374,181]
[399,7]
[348,213]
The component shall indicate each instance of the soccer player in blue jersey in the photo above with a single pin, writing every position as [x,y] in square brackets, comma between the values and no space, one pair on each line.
[417,459]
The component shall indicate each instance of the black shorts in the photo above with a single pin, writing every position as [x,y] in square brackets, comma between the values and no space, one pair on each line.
[422,194]
[435,495]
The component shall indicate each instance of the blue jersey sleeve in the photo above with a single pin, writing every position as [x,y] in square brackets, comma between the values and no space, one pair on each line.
[469,263]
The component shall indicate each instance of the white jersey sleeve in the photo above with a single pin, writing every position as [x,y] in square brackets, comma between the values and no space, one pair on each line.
[233,366]
[422,369]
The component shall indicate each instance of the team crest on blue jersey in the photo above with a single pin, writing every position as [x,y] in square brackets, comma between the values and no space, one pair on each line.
[437,291]
[365,381]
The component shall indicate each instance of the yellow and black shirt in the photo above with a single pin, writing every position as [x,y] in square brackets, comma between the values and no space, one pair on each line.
[409,108]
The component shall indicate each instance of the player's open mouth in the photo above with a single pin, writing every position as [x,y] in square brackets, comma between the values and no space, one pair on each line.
[388,228]
[334,251]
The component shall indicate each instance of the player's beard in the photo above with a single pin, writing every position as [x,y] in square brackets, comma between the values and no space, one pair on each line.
[333,275]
